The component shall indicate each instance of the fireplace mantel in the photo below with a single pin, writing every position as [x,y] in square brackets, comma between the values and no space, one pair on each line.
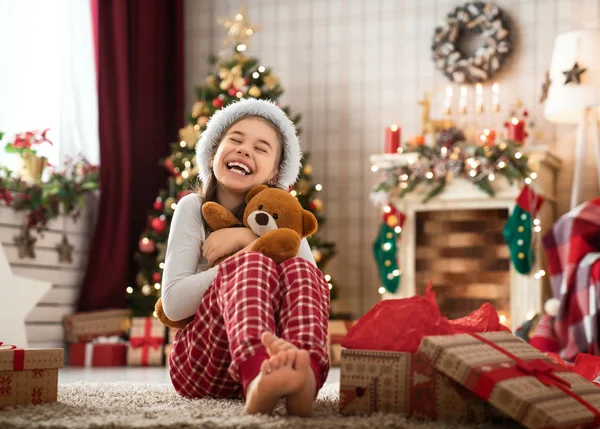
[527,293]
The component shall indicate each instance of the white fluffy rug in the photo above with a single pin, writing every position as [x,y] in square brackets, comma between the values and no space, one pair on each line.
[130,405]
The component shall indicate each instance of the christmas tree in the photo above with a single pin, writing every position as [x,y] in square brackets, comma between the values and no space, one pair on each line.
[235,76]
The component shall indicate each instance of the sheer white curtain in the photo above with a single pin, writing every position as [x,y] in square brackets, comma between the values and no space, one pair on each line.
[47,76]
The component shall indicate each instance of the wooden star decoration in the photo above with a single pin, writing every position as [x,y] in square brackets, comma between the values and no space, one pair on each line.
[574,75]
[238,29]
[189,135]
[25,243]
[545,88]
[21,296]
[65,250]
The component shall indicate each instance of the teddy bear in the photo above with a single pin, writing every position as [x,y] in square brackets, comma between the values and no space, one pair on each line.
[274,215]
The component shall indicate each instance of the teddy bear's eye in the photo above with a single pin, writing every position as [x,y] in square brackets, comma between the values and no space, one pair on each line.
[275,216]
[260,207]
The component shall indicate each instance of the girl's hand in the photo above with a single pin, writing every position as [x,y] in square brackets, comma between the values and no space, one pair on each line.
[224,242]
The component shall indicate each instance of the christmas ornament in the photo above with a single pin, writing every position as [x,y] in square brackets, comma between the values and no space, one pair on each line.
[384,248]
[159,224]
[146,245]
[317,255]
[574,75]
[158,204]
[232,91]
[232,78]
[545,87]
[316,205]
[517,230]
[202,121]
[25,243]
[146,290]
[65,250]
[308,169]
[302,186]
[189,135]
[197,109]
[21,296]
[156,277]
[170,166]
[211,80]
[472,19]
[170,205]
[238,29]
[218,103]
[271,81]
[254,91]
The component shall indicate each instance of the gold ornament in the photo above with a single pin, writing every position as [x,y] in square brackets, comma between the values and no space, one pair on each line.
[317,204]
[197,109]
[232,77]
[271,81]
[211,80]
[202,121]
[179,180]
[254,91]
[189,135]
[238,29]
[308,169]
[25,243]
[317,255]
[65,250]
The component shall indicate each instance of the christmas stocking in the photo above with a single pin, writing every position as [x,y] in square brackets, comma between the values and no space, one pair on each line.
[384,248]
[518,230]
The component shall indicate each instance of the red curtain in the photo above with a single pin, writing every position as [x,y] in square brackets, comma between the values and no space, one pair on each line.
[140,96]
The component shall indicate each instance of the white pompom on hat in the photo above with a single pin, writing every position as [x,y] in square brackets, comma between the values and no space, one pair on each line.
[289,169]
[552,306]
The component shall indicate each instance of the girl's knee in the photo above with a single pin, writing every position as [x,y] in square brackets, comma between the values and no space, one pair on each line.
[252,258]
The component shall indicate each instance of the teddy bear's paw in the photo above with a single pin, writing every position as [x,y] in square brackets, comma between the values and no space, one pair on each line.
[279,244]
[218,217]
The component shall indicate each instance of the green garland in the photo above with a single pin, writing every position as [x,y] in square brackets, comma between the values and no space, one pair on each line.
[436,166]
[42,201]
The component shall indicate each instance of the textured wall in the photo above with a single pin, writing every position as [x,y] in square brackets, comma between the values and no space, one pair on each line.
[351,67]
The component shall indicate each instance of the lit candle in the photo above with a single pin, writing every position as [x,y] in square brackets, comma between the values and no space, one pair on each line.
[462,102]
[496,97]
[448,101]
[478,98]
[516,130]
[392,139]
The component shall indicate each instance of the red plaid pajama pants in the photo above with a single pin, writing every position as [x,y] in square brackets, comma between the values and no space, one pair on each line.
[220,352]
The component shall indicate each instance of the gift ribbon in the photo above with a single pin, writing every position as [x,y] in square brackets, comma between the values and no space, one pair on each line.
[18,356]
[540,369]
[146,341]
[89,347]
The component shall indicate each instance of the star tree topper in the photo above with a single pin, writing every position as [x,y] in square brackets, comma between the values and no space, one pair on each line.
[20,296]
[574,75]
[238,29]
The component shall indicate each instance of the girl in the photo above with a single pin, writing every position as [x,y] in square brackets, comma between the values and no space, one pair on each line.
[259,329]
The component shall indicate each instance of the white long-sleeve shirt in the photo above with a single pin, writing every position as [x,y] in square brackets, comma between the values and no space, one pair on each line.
[186,275]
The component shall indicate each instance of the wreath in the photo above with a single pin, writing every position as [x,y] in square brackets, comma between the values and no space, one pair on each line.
[472,18]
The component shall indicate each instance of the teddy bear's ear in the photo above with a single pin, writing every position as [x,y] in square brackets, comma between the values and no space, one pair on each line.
[309,223]
[252,192]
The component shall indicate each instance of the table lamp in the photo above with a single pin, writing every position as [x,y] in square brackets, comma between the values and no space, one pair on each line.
[574,95]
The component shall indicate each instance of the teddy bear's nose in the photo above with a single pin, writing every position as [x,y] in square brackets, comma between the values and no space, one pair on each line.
[262,219]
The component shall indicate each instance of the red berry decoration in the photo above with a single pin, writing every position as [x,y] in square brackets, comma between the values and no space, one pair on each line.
[159,224]
[159,205]
[146,245]
[232,91]
[156,277]
[218,103]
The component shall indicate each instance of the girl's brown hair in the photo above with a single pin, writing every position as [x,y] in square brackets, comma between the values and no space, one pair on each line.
[208,189]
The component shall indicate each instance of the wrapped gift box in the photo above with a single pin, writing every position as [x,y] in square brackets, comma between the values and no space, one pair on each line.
[146,342]
[102,352]
[83,327]
[404,383]
[336,332]
[29,376]
[517,379]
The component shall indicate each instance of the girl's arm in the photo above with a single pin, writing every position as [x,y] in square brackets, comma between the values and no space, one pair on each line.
[182,287]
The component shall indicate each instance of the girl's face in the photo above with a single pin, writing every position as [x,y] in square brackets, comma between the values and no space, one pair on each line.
[248,155]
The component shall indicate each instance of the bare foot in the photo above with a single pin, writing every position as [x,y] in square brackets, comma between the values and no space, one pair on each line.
[300,402]
[282,374]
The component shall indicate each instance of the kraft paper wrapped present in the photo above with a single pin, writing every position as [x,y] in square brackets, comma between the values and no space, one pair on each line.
[146,342]
[101,352]
[404,383]
[336,332]
[83,327]
[29,376]
[517,379]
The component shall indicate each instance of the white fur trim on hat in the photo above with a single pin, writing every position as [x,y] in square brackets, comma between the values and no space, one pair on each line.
[222,119]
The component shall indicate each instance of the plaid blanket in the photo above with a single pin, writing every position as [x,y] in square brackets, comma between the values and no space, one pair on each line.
[573,251]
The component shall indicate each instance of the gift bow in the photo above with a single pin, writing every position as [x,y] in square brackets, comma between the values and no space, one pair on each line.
[18,356]
[154,342]
[543,371]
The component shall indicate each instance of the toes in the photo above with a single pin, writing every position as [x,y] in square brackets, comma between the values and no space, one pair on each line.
[302,361]
[267,338]
[265,367]
[291,356]
[283,359]
[274,361]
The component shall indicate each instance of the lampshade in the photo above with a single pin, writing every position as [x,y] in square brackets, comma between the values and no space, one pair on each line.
[565,103]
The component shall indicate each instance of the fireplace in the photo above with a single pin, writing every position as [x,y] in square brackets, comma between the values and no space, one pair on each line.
[455,240]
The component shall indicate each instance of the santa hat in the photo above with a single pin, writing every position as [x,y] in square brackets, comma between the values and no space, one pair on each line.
[206,147]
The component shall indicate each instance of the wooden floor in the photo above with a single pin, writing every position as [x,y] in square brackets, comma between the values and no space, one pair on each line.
[151,375]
